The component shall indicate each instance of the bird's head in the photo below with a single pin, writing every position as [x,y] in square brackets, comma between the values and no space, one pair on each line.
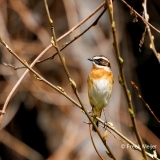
[100,61]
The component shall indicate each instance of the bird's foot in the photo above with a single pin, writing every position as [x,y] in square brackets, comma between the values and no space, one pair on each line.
[91,112]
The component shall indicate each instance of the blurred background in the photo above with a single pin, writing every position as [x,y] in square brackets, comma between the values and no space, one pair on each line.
[39,122]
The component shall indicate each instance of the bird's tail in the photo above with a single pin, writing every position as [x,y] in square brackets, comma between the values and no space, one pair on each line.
[96,113]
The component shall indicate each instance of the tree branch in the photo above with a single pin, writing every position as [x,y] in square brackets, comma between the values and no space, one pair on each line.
[122,76]
[73,84]
[145,103]
[136,13]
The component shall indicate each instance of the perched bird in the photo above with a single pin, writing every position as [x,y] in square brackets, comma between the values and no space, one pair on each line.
[100,82]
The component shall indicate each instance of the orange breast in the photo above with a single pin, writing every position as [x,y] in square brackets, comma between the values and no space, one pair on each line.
[99,87]
[97,73]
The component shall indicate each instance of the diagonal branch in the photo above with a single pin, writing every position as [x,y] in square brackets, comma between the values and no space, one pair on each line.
[65,44]
[123,137]
[51,57]
[73,84]
[76,37]
[145,103]
[64,94]
[38,76]
[146,22]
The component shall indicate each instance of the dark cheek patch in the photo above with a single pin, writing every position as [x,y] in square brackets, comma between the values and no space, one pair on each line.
[97,61]
[102,62]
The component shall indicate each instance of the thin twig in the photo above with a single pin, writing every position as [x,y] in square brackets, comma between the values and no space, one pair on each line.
[142,39]
[51,57]
[62,92]
[94,143]
[68,43]
[115,136]
[152,46]
[140,16]
[42,79]
[39,77]
[19,81]
[122,77]
[75,38]
[123,137]
[11,66]
[73,84]
[83,21]
[67,33]
[71,30]
[155,155]
[141,98]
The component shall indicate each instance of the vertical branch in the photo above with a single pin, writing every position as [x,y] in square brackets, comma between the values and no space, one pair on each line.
[90,132]
[55,44]
[76,37]
[152,46]
[122,77]
[73,84]
[2,112]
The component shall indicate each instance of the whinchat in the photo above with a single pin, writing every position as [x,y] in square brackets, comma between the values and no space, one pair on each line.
[100,82]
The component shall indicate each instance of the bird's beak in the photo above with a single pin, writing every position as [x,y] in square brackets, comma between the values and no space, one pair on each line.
[90,59]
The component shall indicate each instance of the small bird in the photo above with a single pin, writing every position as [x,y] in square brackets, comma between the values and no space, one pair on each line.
[100,82]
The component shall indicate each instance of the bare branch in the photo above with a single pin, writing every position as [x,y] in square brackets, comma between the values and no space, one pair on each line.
[123,137]
[140,16]
[51,57]
[73,84]
[64,94]
[11,66]
[141,98]
[94,143]
[37,76]
[66,44]
[122,77]
[151,37]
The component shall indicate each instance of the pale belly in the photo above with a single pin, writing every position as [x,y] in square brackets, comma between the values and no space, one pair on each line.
[100,93]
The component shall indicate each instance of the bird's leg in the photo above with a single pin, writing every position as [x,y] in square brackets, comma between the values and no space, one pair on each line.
[91,111]
[105,127]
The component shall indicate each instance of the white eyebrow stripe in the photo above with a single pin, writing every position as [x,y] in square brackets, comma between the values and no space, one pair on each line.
[101,58]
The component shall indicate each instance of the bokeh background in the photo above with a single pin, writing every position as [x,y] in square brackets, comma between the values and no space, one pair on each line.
[40,123]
